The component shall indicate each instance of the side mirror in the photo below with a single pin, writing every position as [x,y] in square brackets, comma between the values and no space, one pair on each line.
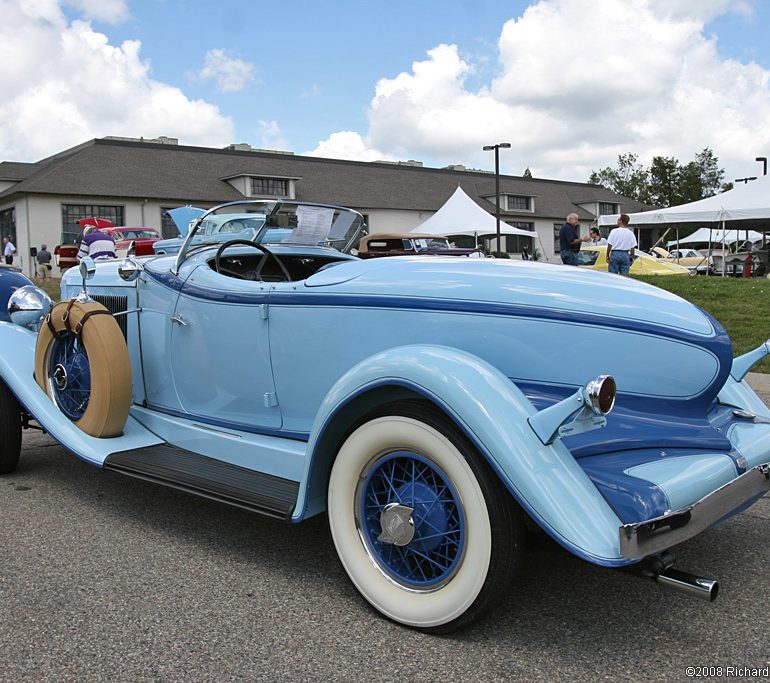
[87,270]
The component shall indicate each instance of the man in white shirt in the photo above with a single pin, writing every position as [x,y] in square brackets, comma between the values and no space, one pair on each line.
[621,243]
[8,250]
[596,238]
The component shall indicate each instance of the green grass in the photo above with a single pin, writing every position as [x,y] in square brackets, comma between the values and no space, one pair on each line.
[50,285]
[741,305]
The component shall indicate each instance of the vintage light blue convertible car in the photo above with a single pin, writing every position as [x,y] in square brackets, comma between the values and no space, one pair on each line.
[428,405]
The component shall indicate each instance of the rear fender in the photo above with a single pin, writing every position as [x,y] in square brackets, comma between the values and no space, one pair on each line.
[489,408]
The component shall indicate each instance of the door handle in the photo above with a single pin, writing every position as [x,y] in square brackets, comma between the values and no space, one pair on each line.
[179,320]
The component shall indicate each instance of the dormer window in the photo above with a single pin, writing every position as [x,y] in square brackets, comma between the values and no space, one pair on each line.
[607,208]
[269,187]
[516,202]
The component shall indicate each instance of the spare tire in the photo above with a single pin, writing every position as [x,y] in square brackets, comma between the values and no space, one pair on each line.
[82,363]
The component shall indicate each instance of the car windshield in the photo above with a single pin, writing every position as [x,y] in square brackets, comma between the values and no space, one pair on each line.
[231,224]
[137,233]
[587,257]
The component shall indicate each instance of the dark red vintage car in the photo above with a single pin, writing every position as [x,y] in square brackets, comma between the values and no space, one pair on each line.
[141,238]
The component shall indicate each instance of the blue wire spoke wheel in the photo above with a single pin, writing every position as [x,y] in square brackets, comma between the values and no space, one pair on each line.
[69,375]
[425,530]
[423,539]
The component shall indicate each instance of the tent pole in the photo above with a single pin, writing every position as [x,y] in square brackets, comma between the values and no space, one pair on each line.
[724,249]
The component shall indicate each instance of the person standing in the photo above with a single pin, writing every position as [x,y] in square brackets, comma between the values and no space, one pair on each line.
[8,250]
[621,243]
[595,237]
[43,262]
[96,244]
[570,241]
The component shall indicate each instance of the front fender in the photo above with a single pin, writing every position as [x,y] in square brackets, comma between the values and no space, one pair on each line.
[492,411]
[17,370]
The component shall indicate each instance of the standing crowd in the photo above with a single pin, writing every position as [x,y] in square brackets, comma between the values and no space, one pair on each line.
[621,243]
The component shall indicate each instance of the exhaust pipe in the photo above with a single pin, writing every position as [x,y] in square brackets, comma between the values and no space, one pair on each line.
[697,586]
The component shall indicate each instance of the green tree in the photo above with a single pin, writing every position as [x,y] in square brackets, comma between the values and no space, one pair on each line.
[527,173]
[666,182]
[629,179]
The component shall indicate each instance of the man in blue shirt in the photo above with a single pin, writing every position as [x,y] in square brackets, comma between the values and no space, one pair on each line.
[570,241]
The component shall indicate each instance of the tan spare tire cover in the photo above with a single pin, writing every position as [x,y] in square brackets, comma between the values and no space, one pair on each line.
[109,365]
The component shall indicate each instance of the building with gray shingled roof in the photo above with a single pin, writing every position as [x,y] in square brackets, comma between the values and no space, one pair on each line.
[133,182]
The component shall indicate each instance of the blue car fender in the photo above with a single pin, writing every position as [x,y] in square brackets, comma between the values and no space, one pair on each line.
[492,411]
[17,370]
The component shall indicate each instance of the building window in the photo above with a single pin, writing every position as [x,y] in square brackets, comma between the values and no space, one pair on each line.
[607,208]
[517,202]
[515,243]
[270,187]
[8,224]
[72,213]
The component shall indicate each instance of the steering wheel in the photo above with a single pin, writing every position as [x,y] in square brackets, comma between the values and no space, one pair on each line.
[266,253]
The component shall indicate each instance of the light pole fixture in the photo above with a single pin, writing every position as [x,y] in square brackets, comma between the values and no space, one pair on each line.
[745,180]
[763,160]
[497,148]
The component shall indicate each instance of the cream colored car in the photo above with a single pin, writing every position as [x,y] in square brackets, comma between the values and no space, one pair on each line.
[687,257]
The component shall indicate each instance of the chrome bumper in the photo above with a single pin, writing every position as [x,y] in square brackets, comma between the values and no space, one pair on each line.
[647,538]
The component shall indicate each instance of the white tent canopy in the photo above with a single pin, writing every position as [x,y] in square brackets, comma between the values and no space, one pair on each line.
[750,201]
[719,236]
[460,215]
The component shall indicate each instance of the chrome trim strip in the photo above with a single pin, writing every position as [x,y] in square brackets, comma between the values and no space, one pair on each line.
[652,536]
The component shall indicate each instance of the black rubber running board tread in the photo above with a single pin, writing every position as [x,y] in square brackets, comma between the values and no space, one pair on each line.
[181,469]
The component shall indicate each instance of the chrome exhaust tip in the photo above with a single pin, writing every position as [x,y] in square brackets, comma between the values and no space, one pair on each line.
[697,586]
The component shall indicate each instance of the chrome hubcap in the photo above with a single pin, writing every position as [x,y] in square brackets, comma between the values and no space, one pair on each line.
[397,524]
[60,377]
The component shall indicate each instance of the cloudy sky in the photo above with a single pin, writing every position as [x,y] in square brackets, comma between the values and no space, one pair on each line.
[569,83]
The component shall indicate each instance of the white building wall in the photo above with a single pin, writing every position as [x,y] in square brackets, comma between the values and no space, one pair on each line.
[393,220]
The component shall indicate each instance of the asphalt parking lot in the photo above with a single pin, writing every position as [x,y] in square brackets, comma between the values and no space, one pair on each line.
[103,577]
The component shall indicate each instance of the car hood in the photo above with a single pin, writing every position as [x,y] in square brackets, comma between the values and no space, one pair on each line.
[520,283]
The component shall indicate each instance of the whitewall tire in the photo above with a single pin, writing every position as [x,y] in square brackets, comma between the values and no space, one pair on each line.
[422,526]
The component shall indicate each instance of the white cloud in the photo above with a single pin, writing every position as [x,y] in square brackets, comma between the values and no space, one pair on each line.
[230,73]
[270,136]
[63,83]
[579,82]
[109,11]
[348,145]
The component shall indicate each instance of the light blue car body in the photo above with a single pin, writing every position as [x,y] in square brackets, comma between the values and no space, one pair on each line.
[267,376]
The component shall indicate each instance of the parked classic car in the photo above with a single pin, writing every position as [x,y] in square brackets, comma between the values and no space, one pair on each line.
[595,257]
[689,258]
[410,244]
[138,239]
[427,405]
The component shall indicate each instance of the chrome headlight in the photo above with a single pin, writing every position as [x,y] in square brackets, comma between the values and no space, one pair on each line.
[129,269]
[27,307]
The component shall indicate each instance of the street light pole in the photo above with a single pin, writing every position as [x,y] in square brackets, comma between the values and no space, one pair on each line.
[497,148]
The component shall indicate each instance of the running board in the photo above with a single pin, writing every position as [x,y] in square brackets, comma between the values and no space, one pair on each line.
[188,471]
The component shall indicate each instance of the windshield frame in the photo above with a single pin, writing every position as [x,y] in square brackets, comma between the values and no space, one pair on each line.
[277,205]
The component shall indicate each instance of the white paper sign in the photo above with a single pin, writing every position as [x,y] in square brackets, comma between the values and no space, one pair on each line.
[313,225]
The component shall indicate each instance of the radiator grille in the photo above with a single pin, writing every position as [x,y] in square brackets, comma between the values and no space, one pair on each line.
[115,304]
